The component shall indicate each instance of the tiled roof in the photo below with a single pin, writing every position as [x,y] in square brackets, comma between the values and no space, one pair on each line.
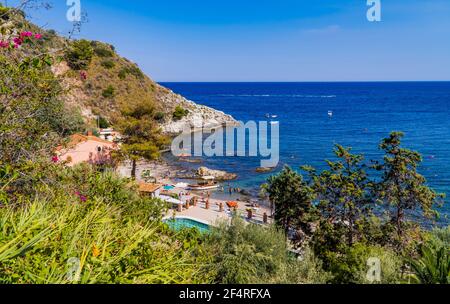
[149,188]
[76,139]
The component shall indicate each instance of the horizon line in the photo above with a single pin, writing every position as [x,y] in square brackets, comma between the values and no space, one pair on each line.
[330,81]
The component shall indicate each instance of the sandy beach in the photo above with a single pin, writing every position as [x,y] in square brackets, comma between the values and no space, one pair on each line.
[165,173]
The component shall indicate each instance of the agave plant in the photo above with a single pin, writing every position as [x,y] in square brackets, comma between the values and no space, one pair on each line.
[434,265]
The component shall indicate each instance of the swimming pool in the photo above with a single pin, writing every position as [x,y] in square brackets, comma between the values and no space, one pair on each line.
[169,187]
[181,223]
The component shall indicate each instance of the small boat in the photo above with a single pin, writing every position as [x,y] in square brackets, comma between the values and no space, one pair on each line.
[330,113]
[207,183]
[181,185]
[274,122]
[274,116]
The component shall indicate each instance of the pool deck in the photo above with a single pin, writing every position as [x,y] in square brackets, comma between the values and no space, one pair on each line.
[213,215]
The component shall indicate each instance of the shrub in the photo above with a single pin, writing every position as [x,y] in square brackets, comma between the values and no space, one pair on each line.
[123,74]
[4,12]
[179,113]
[135,71]
[103,123]
[108,92]
[132,70]
[433,265]
[103,51]
[71,121]
[351,267]
[159,116]
[441,236]
[107,234]
[253,254]
[108,64]
[79,54]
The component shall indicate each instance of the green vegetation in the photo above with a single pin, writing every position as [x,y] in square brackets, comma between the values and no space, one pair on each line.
[347,215]
[293,199]
[141,137]
[131,70]
[4,12]
[79,54]
[33,120]
[102,50]
[246,254]
[433,266]
[103,123]
[179,113]
[159,116]
[122,74]
[87,225]
[107,234]
[402,188]
[108,64]
[108,92]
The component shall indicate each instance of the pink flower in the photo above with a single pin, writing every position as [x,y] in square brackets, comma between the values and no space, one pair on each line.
[26,34]
[18,41]
[4,44]
[38,36]
[55,159]
[83,75]
[82,197]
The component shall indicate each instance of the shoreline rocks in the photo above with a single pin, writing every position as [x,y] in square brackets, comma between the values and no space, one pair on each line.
[199,117]
[219,175]
[264,170]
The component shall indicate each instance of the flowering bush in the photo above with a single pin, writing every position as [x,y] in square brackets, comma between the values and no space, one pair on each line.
[16,42]
[83,75]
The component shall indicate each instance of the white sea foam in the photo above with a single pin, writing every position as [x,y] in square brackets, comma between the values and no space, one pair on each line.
[275,95]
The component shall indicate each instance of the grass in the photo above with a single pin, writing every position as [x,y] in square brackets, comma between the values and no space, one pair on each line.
[62,240]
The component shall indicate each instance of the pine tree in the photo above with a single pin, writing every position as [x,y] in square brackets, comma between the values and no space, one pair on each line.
[141,137]
[292,199]
[401,188]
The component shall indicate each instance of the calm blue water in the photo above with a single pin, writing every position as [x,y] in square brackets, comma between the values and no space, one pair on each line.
[363,113]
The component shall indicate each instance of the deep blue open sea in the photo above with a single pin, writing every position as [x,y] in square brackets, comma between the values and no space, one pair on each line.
[363,114]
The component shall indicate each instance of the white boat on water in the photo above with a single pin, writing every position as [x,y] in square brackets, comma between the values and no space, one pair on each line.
[207,183]
[330,113]
[182,185]
[268,115]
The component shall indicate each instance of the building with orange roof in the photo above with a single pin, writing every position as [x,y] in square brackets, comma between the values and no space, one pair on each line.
[153,190]
[85,148]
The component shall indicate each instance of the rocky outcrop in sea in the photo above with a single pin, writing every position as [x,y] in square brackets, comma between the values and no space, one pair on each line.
[199,116]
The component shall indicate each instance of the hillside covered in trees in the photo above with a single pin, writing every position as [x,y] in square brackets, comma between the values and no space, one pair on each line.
[97,82]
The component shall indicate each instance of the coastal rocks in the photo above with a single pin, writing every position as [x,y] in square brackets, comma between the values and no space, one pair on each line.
[199,117]
[219,175]
[263,170]
[191,161]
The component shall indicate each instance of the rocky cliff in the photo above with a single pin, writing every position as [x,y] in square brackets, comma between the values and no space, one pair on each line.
[199,116]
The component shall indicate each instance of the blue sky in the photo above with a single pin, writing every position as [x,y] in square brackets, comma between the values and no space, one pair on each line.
[270,40]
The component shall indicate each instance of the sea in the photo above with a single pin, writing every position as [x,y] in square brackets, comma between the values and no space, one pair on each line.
[314,117]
